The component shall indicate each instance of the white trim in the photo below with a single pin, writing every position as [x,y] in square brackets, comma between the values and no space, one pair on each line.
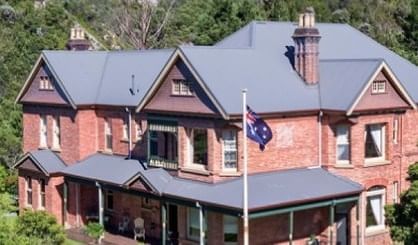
[382,193]
[224,169]
[160,79]
[338,161]
[382,158]
[29,80]
[40,207]
[392,78]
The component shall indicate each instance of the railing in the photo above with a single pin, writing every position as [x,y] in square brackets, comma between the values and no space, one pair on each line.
[156,161]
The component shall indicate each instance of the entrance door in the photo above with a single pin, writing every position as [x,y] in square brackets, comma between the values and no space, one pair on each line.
[172,222]
[342,229]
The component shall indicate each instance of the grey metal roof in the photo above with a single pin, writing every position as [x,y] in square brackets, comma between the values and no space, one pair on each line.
[46,159]
[105,77]
[340,76]
[255,57]
[107,168]
[265,189]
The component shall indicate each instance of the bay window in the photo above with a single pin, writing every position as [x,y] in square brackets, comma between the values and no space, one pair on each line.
[343,144]
[375,142]
[375,209]
[42,193]
[28,191]
[229,138]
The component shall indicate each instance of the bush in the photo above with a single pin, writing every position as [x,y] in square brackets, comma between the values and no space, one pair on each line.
[94,230]
[40,225]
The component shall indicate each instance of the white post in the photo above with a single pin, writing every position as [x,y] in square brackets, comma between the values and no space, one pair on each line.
[245,190]
[202,232]
[101,209]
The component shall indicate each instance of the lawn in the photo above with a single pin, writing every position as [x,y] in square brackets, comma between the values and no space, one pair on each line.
[72,242]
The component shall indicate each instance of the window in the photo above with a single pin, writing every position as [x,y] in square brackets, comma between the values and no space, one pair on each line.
[109,200]
[125,130]
[56,139]
[193,224]
[343,144]
[198,146]
[153,136]
[379,87]
[375,142]
[395,191]
[230,229]
[108,135]
[29,190]
[375,208]
[395,130]
[43,135]
[229,149]
[45,83]
[181,87]
[138,130]
[42,193]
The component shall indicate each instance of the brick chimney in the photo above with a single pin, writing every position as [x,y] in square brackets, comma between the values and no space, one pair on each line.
[306,38]
[78,40]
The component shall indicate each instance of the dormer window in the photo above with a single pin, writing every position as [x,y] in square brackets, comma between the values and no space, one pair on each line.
[182,87]
[45,83]
[379,87]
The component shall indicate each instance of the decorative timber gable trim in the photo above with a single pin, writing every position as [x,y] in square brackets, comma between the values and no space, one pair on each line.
[42,60]
[383,67]
[178,54]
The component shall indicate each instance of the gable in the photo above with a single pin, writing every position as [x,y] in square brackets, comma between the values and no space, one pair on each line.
[391,98]
[35,94]
[140,185]
[29,164]
[164,99]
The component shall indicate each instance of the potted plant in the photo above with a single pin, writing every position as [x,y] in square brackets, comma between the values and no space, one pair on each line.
[95,231]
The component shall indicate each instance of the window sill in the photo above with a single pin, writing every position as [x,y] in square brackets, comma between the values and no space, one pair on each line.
[343,165]
[377,230]
[373,163]
[109,152]
[43,148]
[195,170]
[56,149]
[226,173]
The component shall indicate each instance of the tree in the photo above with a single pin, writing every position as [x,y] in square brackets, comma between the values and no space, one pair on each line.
[403,217]
[40,225]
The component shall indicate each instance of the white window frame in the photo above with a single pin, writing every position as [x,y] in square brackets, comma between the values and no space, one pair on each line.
[339,141]
[235,228]
[378,192]
[42,194]
[395,130]
[29,191]
[45,83]
[395,192]
[108,132]
[379,87]
[181,87]
[125,129]
[56,133]
[43,131]
[190,147]
[383,146]
[138,130]
[226,149]
[190,236]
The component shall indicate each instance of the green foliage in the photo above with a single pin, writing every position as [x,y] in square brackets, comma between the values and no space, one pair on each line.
[94,230]
[403,217]
[40,225]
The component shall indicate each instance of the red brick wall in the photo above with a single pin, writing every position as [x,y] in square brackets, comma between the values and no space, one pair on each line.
[53,193]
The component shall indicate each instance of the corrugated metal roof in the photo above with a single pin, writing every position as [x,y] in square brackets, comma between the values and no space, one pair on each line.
[265,189]
[255,57]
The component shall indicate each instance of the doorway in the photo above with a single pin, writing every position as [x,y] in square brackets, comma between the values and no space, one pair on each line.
[172,222]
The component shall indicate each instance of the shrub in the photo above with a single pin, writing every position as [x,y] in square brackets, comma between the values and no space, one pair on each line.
[95,230]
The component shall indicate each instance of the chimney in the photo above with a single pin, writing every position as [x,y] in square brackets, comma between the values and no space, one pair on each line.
[306,38]
[77,39]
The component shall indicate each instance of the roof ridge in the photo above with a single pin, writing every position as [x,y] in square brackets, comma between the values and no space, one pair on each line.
[351,59]
[99,88]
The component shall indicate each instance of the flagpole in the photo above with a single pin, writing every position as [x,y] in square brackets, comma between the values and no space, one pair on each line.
[245,188]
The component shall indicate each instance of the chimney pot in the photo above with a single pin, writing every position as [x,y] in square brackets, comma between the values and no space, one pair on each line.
[77,39]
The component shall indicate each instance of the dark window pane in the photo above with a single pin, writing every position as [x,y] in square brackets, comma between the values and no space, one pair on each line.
[200,146]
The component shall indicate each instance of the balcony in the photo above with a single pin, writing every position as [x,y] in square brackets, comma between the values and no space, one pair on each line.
[162,144]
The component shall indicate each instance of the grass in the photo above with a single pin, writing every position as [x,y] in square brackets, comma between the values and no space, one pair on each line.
[72,242]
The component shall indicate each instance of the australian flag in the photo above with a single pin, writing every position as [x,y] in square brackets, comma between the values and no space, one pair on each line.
[257,129]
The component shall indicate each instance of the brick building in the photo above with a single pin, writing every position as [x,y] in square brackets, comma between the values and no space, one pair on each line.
[157,134]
